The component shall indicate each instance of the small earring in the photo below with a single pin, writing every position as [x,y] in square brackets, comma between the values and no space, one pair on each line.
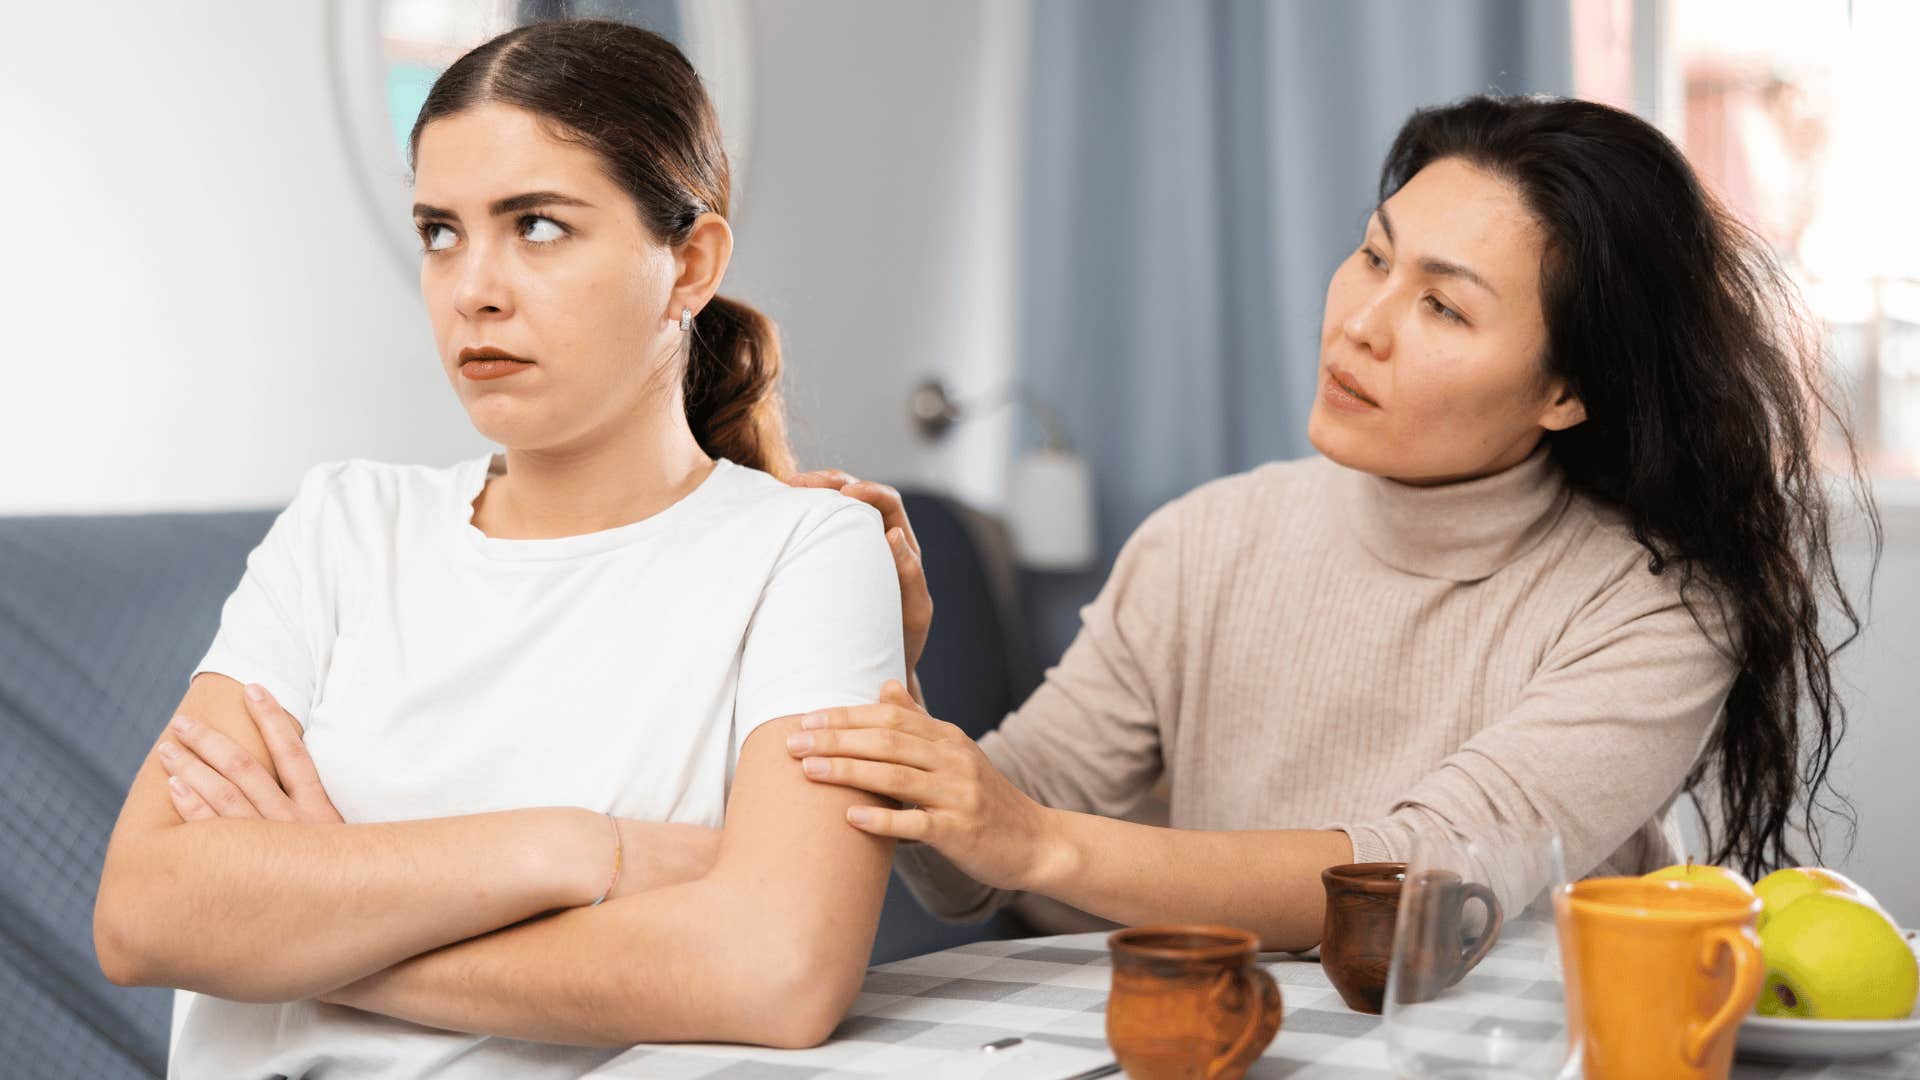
[686,319]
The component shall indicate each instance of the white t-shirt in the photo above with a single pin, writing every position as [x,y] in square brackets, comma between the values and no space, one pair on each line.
[439,671]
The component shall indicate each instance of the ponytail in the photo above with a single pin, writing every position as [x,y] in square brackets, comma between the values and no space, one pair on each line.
[732,388]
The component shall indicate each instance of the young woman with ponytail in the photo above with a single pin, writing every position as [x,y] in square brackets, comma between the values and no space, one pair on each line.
[485,769]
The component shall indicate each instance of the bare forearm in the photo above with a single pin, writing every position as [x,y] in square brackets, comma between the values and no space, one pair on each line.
[272,911]
[701,961]
[1266,881]
[768,947]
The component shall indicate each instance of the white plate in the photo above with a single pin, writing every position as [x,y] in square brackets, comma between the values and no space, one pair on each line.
[1822,1040]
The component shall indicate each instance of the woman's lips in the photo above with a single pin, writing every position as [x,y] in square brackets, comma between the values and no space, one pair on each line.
[493,369]
[1342,396]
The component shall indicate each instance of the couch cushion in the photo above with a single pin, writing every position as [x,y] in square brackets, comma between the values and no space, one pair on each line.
[100,619]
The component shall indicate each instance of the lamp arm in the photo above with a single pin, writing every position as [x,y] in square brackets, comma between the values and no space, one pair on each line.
[935,410]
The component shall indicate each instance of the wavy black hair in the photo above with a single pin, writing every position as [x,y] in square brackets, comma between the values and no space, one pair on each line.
[1706,397]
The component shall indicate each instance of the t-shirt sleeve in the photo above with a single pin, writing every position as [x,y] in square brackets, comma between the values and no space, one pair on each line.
[827,630]
[277,624]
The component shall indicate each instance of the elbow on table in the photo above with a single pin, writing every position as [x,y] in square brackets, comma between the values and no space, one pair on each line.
[799,996]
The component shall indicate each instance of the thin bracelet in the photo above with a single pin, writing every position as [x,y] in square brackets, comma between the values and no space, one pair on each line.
[617,852]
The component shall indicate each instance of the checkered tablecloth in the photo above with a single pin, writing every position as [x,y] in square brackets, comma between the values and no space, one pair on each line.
[915,1016]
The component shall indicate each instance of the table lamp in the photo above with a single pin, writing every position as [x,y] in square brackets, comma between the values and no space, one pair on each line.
[1050,493]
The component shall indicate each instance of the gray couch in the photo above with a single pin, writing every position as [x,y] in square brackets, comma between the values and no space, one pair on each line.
[101,619]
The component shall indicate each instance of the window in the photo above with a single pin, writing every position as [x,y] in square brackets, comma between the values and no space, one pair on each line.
[1800,115]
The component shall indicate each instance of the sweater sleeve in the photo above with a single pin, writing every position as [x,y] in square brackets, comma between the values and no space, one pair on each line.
[1089,738]
[1601,739]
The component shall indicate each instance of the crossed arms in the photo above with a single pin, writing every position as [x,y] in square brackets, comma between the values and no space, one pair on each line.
[476,923]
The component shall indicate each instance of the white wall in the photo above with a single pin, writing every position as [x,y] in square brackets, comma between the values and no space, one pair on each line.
[196,305]
[1880,678]
[879,222]
[199,306]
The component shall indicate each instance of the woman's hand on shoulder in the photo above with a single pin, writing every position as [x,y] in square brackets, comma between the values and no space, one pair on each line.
[916,603]
[952,796]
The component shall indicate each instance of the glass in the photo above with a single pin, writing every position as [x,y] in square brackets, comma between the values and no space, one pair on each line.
[1475,988]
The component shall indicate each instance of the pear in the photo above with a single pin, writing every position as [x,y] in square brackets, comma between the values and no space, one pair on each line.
[1831,956]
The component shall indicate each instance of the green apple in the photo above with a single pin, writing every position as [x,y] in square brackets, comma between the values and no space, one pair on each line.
[1830,956]
[1706,874]
[1783,887]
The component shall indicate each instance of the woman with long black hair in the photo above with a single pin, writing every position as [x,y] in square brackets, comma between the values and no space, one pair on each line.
[1561,559]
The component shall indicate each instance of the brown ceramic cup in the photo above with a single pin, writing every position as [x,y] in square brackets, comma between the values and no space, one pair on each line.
[1189,1003]
[1356,941]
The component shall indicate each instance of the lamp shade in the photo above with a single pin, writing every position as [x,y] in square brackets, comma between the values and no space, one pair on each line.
[1050,511]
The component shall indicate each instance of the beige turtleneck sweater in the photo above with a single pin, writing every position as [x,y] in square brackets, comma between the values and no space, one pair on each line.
[1306,646]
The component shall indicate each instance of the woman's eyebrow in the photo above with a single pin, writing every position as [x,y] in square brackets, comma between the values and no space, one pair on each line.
[508,205]
[1436,267]
[1442,268]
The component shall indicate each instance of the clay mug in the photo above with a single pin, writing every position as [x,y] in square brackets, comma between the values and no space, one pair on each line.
[1188,1002]
[1363,906]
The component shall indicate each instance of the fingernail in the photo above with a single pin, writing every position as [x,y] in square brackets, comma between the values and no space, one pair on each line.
[858,815]
[814,766]
[256,691]
[799,742]
[168,750]
[896,537]
[178,788]
[814,720]
[182,723]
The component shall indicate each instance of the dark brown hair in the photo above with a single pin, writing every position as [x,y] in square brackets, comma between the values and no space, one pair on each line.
[631,97]
[1705,394]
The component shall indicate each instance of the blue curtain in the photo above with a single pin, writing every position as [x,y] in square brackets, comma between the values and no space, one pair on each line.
[1194,172]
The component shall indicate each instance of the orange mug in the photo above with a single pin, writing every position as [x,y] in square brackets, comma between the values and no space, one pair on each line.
[1659,975]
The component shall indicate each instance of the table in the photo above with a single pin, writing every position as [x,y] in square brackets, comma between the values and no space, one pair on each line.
[913,1016]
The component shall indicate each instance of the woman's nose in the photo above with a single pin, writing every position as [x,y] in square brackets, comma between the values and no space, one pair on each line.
[482,287]
[1368,325]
